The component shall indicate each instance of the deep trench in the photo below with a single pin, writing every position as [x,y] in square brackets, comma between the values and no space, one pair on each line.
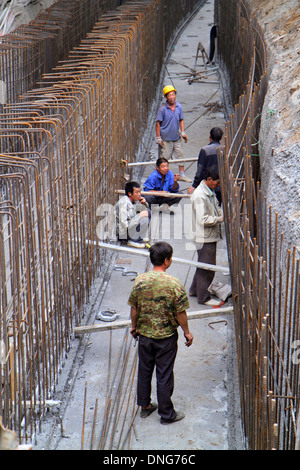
[234,84]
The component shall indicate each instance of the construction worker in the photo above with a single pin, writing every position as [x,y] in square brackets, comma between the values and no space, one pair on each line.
[207,219]
[133,217]
[158,307]
[162,181]
[170,128]
[208,157]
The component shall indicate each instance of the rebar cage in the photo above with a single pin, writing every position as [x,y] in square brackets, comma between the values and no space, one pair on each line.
[80,83]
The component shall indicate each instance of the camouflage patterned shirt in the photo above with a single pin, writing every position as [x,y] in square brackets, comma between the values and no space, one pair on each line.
[158,298]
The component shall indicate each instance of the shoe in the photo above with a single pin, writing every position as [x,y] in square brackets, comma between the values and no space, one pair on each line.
[165,209]
[213,303]
[179,416]
[148,411]
[185,179]
[136,244]
[191,294]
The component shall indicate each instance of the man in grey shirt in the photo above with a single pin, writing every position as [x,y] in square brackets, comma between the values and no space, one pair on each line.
[133,217]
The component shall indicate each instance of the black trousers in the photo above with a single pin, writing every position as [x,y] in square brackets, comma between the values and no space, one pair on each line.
[159,200]
[160,353]
[202,277]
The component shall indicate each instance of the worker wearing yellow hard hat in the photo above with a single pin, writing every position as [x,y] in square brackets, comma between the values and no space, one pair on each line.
[167,89]
[170,129]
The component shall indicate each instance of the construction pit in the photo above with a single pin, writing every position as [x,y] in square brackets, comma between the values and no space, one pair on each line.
[206,386]
[93,405]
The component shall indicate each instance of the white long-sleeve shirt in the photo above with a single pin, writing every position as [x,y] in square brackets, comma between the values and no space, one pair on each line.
[127,215]
[207,215]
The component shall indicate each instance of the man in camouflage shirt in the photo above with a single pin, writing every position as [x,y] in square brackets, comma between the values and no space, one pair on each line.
[158,306]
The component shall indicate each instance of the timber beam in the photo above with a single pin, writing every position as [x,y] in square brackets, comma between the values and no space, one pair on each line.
[180,160]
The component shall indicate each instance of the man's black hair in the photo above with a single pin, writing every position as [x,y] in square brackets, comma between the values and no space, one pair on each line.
[159,252]
[129,187]
[161,160]
[216,133]
[212,172]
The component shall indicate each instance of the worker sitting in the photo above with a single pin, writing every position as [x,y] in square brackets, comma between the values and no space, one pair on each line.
[133,217]
[162,181]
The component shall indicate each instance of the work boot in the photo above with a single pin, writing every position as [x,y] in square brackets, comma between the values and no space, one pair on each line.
[147,411]
[165,209]
[185,179]
[133,244]
[213,303]
[179,416]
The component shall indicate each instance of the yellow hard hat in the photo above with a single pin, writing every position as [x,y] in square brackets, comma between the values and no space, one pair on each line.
[167,89]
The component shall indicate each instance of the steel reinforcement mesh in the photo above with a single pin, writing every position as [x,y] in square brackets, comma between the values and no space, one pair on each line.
[64,133]
[265,273]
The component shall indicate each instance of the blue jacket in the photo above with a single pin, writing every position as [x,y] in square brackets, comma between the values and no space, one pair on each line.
[154,182]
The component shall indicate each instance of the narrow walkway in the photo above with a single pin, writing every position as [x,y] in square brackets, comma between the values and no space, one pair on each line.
[205,375]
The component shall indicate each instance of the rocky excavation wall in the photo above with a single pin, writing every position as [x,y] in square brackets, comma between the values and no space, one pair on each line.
[259,222]
[280,125]
[279,137]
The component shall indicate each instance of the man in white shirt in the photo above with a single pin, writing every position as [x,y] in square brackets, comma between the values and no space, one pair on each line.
[207,219]
[133,217]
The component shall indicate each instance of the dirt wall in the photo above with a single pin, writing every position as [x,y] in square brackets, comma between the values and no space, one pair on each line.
[280,123]
[24,11]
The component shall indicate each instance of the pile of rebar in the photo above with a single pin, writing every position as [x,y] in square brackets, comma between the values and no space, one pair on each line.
[265,271]
[62,144]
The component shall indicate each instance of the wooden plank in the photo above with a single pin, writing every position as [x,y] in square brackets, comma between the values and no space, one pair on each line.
[158,193]
[212,312]
[180,160]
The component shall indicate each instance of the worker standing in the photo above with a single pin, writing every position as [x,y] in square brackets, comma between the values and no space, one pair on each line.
[158,306]
[208,157]
[170,129]
[207,219]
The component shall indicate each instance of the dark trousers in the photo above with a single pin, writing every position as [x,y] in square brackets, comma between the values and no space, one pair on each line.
[160,353]
[162,200]
[138,232]
[202,277]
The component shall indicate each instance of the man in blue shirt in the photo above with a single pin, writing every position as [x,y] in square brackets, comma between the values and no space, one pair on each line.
[162,181]
[169,126]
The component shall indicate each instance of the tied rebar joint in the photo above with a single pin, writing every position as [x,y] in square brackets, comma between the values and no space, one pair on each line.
[270,112]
